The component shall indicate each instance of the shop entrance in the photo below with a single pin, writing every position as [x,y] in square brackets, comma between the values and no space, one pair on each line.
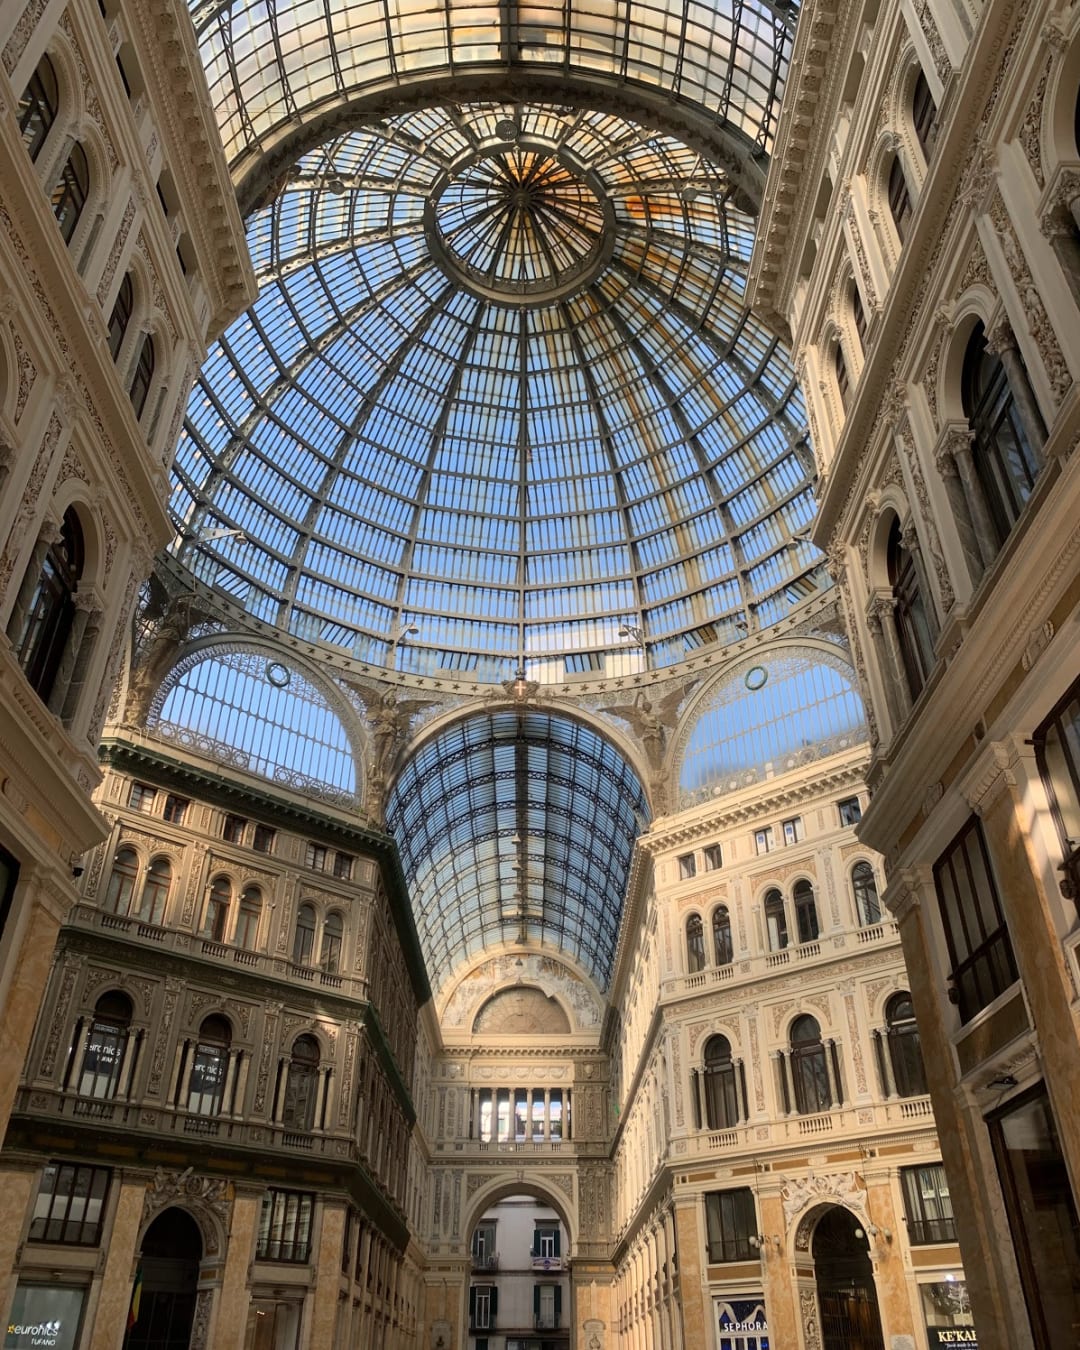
[847,1299]
[171,1252]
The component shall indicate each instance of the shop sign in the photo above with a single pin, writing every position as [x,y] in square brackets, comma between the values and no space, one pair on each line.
[741,1323]
[44,1317]
[952,1336]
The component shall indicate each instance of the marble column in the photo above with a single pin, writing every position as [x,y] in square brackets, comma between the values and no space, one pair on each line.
[17,621]
[960,444]
[1002,341]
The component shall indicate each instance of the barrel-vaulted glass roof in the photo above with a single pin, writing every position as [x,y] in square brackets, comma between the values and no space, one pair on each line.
[517,826]
[500,404]
[283,71]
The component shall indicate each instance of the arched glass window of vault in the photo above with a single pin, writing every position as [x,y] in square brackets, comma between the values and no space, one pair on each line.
[768,716]
[517,827]
[249,710]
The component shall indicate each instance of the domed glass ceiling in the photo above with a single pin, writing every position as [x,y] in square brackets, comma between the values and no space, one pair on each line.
[500,405]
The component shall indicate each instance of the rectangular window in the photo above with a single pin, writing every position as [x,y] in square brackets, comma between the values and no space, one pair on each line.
[1057,753]
[1042,1216]
[850,811]
[687,867]
[141,797]
[927,1204]
[546,1306]
[793,830]
[69,1204]
[233,829]
[343,866]
[763,839]
[315,857]
[483,1248]
[175,809]
[714,857]
[285,1226]
[263,839]
[483,1301]
[980,951]
[730,1223]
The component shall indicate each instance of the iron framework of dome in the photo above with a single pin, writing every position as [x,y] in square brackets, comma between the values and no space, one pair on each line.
[500,405]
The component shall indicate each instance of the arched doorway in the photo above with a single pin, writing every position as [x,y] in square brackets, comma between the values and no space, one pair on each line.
[171,1251]
[847,1299]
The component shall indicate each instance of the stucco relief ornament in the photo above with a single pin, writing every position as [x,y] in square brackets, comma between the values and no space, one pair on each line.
[208,1195]
[839,1189]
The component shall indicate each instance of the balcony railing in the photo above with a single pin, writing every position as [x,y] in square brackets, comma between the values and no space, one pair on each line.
[546,1262]
[206,948]
[488,1262]
[840,1121]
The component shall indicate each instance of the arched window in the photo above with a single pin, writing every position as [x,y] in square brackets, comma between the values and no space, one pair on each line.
[51,611]
[38,107]
[843,381]
[143,376]
[209,1064]
[775,921]
[899,198]
[155,894]
[806,920]
[298,1111]
[106,1042]
[330,951]
[247,921]
[858,315]
[1004,459]
[913,627]
[905,1053]
[121,315]
[121,886]
[304,938]
[924,115]
[864,886]
[721,935]
[808,1068]
[71,191]
[721,1092]
[695,944]
[217,909]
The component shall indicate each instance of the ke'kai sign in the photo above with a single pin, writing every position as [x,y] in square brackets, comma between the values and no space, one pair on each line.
[952,1336]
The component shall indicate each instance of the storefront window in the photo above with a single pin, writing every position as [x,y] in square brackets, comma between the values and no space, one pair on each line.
[45,1315]
[272,1325]
[741,1323]
[1042,1216]
[947,1313]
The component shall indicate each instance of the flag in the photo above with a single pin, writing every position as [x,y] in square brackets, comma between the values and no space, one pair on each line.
[136,1296]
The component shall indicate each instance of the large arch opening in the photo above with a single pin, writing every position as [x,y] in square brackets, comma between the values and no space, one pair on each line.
[847,1297]
[164,1305]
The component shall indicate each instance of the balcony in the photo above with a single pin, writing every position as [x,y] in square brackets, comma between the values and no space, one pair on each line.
[838,1123]
[203,948]
[485,1263]
[547,1263]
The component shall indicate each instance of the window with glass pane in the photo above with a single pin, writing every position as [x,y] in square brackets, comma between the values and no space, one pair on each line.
[843,380]
[38,107]
[721,1092]
[1004,460]
[793,830]
[315,857]
[71,191]
[51,611]
[714,857]
[721,930]
[175,809]
[232,829]
[924,115]
[263,839]
[343,866]
[155,894]
[858,314]
[864,888]
[905,1052]
[687,867]
[210,1060]
[125,870]
[69,1204]
[763,839]
[809,1071]
[695,944]
[806,918]
[106,1041]
[141,797]
[1042,1216]
[120,316]
[285,1226]
[143,376]
[850,811]
[730,1223]
[330,952]
[899,198]
[1057,753]
[247,920]
[775,921]
[980,950]
[217,909]
[301,1085]
[927,1204]
[914,626]
[304,937]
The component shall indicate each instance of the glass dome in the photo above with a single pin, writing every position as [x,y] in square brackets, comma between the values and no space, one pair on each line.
[500,405]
